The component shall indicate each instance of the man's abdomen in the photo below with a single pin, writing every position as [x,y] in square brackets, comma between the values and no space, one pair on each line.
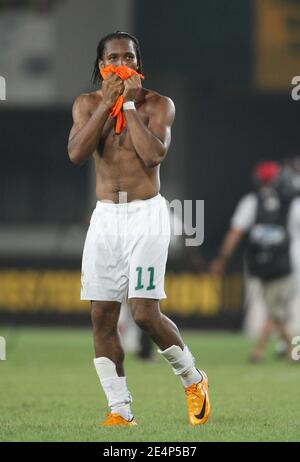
[126,176]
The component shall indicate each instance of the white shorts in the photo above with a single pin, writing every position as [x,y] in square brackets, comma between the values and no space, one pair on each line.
[125,251]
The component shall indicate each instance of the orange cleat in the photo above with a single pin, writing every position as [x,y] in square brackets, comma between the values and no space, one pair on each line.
[116,420]
[198,401]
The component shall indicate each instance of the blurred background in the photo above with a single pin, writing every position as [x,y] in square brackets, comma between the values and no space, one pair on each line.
[228,66]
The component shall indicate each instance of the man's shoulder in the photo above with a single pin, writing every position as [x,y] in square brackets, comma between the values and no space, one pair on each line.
[87,101]
[248,200]
[247,204]
[155,100]
[295,206]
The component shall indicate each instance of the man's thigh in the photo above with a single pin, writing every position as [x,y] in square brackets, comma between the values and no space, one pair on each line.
[103,266]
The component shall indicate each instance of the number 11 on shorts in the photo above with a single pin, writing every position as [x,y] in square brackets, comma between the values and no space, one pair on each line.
[139,285]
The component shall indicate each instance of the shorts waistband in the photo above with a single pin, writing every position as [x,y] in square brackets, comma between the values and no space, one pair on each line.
[129,206]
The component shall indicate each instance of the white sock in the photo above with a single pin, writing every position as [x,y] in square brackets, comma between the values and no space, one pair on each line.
[115,387]
[182,363]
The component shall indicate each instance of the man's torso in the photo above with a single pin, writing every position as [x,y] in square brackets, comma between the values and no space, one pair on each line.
[118,167]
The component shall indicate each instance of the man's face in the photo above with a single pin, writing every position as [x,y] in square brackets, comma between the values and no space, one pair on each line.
[119,52]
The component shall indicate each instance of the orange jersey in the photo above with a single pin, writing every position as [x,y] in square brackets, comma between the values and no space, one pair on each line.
[124,73]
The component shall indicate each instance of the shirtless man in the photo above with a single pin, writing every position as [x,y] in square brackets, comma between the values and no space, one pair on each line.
[121,257]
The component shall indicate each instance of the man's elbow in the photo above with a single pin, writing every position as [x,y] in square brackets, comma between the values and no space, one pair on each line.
[151,163]
[75,156]
[155,160]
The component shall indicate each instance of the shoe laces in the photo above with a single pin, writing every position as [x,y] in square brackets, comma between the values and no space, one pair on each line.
[191,390]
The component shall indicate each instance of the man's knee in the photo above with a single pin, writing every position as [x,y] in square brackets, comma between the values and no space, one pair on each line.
[105,315]
[145,312]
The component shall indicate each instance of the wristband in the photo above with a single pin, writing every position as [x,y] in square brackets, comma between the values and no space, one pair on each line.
[129,105]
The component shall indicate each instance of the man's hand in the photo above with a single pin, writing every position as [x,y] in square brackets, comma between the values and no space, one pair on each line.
[132,85]
[112,88]
[217,266]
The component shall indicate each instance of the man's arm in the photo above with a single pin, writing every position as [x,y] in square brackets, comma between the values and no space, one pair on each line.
[242,221]
[151,143]
[229,245]
[87,129]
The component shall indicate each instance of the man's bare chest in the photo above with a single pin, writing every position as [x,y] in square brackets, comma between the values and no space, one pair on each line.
[110,139]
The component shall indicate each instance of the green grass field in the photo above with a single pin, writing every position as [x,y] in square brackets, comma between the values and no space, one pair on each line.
[50,392]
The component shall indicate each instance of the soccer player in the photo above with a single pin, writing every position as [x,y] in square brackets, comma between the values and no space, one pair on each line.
[127,130]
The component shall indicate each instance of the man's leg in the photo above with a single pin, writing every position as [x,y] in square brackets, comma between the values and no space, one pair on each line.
[109,361]
[277,295]
[263,338]
[162,330]
[282,328]
[145,351]
[166,335]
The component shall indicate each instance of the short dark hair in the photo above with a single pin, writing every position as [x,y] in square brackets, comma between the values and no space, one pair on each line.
[100,49]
